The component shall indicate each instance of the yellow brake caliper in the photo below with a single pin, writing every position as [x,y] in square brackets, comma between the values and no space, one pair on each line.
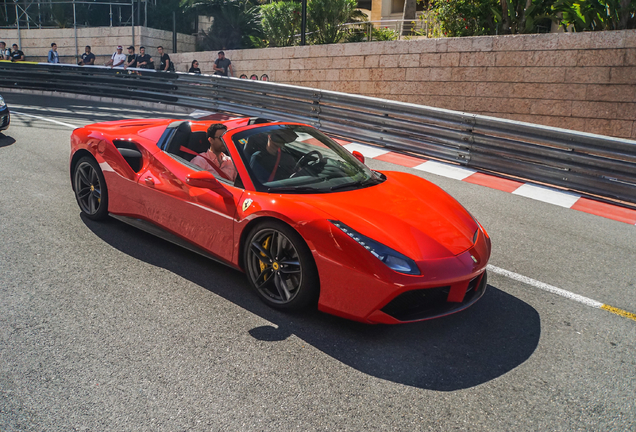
[266,247]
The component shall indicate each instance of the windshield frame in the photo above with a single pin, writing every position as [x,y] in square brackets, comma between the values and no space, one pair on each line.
[304,184]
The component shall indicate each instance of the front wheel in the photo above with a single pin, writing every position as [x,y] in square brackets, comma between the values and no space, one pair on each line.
[90,189]
[279,265]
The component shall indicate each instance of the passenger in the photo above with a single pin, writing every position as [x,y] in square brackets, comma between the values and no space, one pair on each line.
[215,160]
[272,163]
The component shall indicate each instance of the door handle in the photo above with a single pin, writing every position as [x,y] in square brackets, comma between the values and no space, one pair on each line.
[149,181]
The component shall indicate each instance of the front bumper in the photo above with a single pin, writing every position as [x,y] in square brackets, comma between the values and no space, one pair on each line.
[359,287]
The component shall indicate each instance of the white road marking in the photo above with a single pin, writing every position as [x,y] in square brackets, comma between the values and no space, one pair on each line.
[445,170]
[45,119]
[544,286]
[548,195]
[367,151]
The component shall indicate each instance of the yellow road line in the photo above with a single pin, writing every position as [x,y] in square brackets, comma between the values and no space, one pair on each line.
[619,312]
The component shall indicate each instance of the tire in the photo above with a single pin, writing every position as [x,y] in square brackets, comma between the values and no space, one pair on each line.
[90,189]
[280,267]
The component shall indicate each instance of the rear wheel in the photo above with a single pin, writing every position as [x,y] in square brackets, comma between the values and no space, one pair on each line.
[90,189]
[279,265]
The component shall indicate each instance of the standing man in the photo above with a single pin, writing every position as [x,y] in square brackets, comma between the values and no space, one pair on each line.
[54,57]
[16,54]
[222,65]
[131,60]
[144,61]
[117,59]
[88,58]
[5,53]
[165,64]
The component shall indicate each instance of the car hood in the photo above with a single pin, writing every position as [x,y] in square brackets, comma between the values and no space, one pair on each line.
[406,213]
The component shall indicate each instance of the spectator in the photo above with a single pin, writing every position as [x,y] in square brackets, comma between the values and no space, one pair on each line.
[222,65]
[88,58]
[243,76]
[165,64]
[131,60]
[54,57]
[194,67]
[16,54]
[117,59]
[5,53]
[144,61]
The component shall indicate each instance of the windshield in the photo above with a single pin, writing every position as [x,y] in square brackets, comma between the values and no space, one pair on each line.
[299,159]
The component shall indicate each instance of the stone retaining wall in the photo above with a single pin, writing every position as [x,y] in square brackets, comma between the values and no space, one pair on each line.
[582,81]
[36,43]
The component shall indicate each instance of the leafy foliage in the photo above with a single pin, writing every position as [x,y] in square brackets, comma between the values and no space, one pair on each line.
[597,14]
[384,34]
[326,16]
[236,23]
[465,17]
[281,22]
[488,17]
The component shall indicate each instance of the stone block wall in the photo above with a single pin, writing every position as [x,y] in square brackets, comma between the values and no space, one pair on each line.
[582,81]
[36,43]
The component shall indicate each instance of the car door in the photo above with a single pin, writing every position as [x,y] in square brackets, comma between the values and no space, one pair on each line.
[199,215]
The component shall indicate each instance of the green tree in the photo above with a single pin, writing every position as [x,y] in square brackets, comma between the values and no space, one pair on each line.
[596,14]
[325,19]
[281,22]
[236,23]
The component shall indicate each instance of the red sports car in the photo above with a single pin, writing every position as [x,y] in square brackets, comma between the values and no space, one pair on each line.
[307,221]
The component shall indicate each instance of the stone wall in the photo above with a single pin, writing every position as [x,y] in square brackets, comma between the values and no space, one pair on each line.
[36,43]
[582,81]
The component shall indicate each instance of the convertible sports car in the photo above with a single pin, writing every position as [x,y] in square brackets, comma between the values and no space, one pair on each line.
[307,221]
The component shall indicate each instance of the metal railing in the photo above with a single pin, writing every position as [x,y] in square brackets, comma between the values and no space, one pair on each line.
[591,164]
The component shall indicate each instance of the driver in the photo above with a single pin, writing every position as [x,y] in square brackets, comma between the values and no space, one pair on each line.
[215,160]
[272,163]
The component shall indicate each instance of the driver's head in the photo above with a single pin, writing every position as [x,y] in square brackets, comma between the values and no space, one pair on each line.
[215,131]
[278,138]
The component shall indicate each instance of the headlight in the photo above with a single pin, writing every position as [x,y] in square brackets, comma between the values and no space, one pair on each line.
[392,259]
[2,104]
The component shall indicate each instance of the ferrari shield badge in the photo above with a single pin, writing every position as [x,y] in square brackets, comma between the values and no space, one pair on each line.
[247,203]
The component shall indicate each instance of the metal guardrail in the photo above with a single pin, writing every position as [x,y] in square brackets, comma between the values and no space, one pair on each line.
[591,164]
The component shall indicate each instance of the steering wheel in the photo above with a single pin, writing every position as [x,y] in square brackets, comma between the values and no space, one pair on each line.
[305,159]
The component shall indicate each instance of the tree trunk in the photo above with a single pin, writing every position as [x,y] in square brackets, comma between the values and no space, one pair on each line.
[504,14]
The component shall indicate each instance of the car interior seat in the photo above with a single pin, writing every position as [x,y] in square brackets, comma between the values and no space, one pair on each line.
[197,143]
[180,138]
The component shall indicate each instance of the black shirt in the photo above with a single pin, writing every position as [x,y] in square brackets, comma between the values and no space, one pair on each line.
[16,55]
[194,70]
[86,58]
[223,64]
[165,59]
[132,58]
[143,59]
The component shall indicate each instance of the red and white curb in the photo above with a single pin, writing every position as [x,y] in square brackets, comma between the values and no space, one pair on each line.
[529,190]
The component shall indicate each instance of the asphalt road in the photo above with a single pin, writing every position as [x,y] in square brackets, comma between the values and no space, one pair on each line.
[106,328]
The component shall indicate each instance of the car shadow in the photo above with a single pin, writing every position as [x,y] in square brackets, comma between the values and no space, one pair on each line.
[5,140]
[460,351]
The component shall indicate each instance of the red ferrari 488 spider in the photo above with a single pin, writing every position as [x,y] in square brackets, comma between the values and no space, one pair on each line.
[307,221]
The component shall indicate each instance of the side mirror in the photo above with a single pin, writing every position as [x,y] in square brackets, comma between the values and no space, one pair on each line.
[205,180]
[356,154]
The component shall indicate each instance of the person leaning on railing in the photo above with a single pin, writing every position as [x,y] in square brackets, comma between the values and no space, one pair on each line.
[144,61]
[88,58]
[5,53]
[17,54]
[53,57]
[117,59]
